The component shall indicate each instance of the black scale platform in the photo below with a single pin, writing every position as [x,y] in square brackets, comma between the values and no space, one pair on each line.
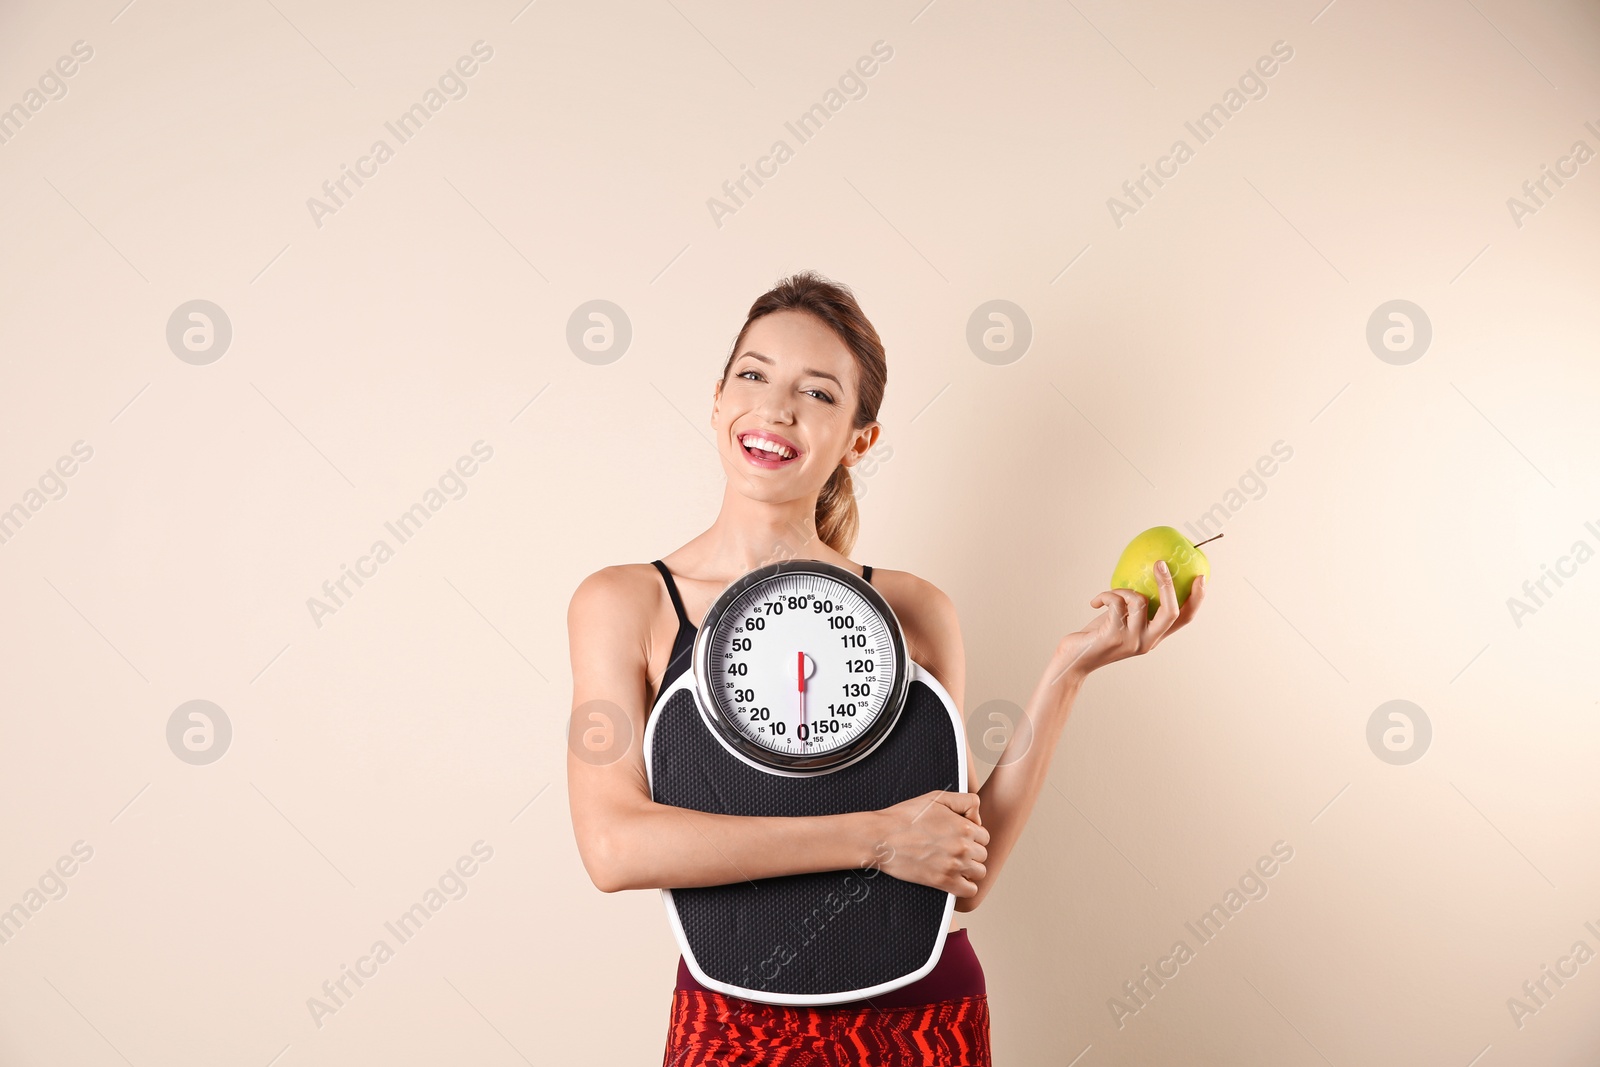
[817,933]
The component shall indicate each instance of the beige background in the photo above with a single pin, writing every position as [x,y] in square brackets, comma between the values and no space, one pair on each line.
[1169,354]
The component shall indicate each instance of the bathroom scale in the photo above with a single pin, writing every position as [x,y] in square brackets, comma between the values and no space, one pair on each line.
[803,701]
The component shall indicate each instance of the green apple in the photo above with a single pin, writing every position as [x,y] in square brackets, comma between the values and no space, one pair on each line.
[1136,569]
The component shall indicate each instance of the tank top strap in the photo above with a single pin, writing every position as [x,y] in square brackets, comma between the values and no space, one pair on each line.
[677,601]
[672,590]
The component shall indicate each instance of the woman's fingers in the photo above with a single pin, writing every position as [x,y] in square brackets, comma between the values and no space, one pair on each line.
[1167,593]
[1116,600]
[1197,596]
[1127,628]
[1160,624]
[961,803]
[968,872]
[1134,606]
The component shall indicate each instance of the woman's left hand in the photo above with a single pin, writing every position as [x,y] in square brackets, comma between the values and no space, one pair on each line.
[1126,627]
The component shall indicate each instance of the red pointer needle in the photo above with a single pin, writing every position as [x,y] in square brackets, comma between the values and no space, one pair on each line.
[800,664]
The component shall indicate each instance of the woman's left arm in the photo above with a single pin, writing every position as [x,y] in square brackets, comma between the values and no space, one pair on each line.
[1123,629]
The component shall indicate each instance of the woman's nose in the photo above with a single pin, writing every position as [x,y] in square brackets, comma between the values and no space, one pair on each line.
[778,409]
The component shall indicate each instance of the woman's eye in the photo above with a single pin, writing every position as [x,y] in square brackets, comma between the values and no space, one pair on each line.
[755,376]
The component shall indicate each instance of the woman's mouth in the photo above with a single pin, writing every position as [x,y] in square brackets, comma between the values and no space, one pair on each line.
[768,450]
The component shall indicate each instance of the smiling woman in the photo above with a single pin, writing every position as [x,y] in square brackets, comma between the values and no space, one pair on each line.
[794,410]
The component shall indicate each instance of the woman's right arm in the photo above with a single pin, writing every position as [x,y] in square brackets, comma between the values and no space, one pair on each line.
[628,841]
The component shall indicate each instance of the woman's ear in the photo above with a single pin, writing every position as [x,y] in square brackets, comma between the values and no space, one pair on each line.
[861,444]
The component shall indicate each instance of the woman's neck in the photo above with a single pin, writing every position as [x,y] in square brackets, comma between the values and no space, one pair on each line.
[751,533]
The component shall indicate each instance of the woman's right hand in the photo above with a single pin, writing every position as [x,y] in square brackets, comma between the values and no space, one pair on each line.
[935,839]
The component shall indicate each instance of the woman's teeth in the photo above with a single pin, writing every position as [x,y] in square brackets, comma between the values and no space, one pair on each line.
[767,449]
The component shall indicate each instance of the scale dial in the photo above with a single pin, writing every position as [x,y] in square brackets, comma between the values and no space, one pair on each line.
[801,667]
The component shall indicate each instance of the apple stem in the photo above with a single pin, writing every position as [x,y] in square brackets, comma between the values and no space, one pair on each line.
[1207,541]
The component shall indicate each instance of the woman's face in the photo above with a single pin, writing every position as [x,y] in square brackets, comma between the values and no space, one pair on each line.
[791,386]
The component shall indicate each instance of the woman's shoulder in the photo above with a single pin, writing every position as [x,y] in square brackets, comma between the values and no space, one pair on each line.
[631,588]
[928,620]
[907,585]
[916,601]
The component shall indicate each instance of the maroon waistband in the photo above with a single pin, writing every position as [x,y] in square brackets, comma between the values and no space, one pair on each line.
[957,974]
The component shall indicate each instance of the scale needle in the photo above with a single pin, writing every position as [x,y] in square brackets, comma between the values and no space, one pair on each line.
[800,668]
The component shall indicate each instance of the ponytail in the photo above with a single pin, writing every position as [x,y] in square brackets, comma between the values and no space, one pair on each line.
[838,517]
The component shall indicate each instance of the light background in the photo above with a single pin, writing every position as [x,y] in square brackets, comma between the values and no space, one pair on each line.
[1169,354]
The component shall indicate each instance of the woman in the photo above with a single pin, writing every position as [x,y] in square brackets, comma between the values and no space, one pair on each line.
[795,408]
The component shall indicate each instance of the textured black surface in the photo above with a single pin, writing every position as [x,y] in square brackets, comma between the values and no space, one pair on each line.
[814,933]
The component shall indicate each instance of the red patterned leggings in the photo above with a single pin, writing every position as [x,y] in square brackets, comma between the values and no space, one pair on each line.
[712,1030]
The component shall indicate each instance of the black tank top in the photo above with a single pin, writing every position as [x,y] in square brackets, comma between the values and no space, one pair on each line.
[683,643]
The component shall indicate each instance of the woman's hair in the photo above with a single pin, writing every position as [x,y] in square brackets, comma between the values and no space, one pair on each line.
[837,517]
